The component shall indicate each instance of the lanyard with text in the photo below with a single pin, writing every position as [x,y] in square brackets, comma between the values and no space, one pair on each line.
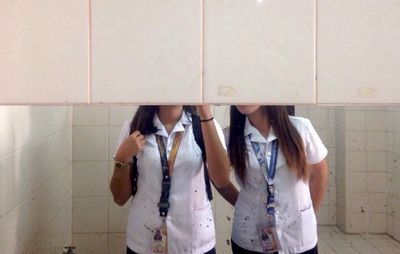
[167,167]
[270,172]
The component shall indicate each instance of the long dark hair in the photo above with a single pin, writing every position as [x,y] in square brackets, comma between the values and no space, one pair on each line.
[289,140]
[143,119]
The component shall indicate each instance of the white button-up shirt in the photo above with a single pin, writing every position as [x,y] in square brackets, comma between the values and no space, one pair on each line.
[295,219]
[190,222]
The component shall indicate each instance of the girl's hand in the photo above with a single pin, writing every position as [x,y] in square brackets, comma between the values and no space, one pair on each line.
[131,146]
[204,111]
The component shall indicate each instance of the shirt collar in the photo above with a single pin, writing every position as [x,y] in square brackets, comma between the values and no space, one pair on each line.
[179,126]
[254,134]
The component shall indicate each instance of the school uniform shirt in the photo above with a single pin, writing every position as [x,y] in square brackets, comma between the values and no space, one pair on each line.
[295,219]
[190,222]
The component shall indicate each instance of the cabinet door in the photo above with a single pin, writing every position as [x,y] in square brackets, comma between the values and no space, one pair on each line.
[44,51]
[146,51]
[259,51]
[358,49]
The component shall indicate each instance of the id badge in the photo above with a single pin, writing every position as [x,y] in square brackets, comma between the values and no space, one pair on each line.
[268,236]
[160,240]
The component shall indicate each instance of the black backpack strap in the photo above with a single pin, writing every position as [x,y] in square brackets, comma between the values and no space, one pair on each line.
[198,136]
[134,176]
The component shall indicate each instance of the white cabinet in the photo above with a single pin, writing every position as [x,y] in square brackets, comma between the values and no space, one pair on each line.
[358,49]
[146,51]
[259,51]
[44,51]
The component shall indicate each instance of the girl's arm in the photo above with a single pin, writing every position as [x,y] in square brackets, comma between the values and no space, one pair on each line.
[229,193]
[120,183]
[318,182]
[217,159]
[218,163]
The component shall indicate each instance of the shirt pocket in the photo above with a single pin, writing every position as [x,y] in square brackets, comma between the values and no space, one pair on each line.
[203,227]
[308,226]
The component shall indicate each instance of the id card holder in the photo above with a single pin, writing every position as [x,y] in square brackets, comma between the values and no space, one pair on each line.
[268,236]
[160,240]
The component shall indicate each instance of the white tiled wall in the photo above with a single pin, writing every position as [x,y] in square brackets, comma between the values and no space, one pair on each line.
[362,184]
[393,171]
[35,179]
[98,224]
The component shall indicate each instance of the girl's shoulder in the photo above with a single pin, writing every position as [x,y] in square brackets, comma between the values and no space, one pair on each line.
[299,121]
[302,124]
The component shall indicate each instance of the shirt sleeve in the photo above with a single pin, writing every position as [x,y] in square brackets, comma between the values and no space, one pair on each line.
[315,149]
[123,135]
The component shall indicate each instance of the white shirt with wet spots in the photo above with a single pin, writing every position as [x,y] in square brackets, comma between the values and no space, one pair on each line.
[295,217]
[190,220]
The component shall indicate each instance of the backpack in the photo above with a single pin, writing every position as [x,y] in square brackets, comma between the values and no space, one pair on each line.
[198,136]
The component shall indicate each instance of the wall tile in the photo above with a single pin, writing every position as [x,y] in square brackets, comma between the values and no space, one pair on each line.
[91,115]
[223,215]
[118,216]
[356,161]
[116,243]
[355,120]
[377,223]
[224,243]
[6,185]
[90,179]
[376,120]
[376,161]
[120,114]
[114,133]
[90,143]
[6,234]
[90,243]
[356,140]
[90,215]
[357,223]
[358,202]
[323,215]
[37,163]
[222,114]
[7,130]
[319,117]
[376,141]
[356,182]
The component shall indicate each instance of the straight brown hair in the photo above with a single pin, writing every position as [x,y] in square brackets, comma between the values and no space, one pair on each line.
[289,141]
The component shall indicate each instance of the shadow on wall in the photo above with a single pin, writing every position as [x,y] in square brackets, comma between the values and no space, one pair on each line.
[37,188]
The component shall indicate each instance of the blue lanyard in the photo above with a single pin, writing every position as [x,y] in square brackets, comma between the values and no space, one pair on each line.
[269,170]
